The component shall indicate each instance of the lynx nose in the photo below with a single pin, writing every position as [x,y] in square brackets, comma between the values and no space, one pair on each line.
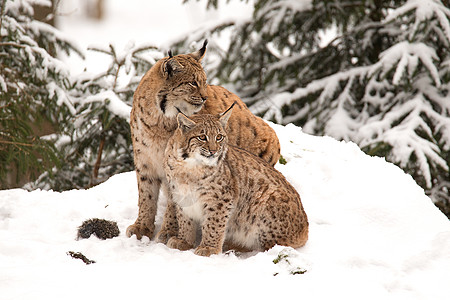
[212,152]
[203,93]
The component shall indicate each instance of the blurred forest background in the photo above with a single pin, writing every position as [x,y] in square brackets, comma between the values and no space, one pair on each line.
[369,71]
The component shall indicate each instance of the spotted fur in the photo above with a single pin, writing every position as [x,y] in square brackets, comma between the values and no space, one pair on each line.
[178,83]
[234,195]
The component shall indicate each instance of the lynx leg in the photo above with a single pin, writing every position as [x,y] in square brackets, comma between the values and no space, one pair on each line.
[169,226]
[148,199]
[213,229]
[212,238]
[186,232]
[289,228]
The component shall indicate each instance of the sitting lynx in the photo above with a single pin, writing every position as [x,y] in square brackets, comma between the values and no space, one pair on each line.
[173,84]
[234,195]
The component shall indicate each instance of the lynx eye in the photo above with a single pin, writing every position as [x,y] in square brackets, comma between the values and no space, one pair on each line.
[193,84]
[219,137]
[202,138]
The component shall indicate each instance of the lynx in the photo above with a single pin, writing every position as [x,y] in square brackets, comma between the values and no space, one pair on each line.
[173,84]
[235,196]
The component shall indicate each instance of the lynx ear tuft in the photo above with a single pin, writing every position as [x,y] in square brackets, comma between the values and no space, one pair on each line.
[199,54]
[223,117]
[184,122]
[170,53]
[203,49]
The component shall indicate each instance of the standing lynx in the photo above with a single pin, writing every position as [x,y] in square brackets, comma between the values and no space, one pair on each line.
[173,84]
[235,196]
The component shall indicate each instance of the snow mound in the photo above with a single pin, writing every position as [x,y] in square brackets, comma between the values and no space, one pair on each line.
[374,234]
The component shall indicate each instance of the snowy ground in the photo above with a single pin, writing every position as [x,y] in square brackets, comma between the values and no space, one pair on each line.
[373,235]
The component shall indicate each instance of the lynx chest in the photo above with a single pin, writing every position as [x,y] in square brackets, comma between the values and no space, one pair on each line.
[187,197]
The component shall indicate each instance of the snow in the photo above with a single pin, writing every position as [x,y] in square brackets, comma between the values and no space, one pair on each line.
[401,59]
[3,85]
[373,235]
[408,54]
[115,104]
[403,136]
[277,12]
[401,56]
[424,10]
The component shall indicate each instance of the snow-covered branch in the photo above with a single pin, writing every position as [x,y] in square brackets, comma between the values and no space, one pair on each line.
[114,103]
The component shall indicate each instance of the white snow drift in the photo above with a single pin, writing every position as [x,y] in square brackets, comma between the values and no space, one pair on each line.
[374,234]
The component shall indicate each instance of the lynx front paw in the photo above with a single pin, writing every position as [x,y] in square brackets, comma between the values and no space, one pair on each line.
[164,235]
[179,244]
[140,230]
[206,251]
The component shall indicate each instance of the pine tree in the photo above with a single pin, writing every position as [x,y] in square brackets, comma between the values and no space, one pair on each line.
[97,144]
[33,89]
[383,80]
[89,113]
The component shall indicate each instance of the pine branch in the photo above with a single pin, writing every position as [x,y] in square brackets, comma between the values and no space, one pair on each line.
[99,159]
[16,143]
[13,44]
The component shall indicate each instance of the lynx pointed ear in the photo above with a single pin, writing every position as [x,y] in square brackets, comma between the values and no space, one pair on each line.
[184,122]
[199,54]
[171,66]
[223,117]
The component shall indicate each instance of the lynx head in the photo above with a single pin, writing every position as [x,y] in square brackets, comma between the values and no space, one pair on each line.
[184,88]
[203,137]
